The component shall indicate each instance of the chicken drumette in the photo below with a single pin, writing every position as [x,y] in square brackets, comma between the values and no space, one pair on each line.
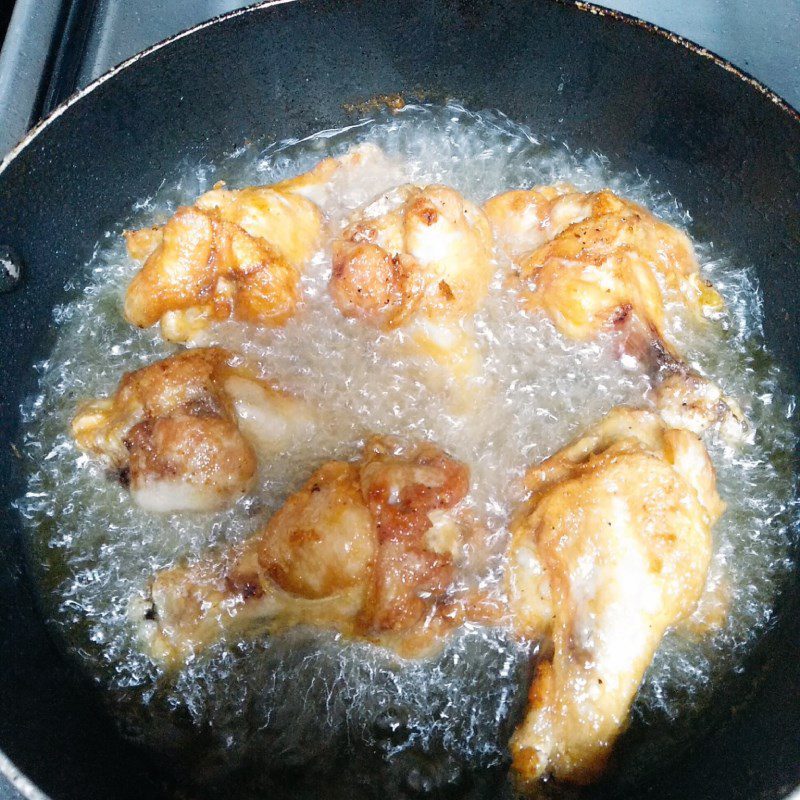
[181,432]
[420,258]
[369,548]
[611,550]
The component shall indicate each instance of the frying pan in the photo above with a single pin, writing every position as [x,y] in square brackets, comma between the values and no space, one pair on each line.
[721,142]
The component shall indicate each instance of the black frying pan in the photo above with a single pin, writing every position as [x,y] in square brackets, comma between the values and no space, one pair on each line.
[723,144]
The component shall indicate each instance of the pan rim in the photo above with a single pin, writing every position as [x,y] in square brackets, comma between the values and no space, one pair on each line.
[17,779]
[580,5]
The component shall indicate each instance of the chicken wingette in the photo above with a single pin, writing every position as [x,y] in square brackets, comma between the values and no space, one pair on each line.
[234,253]
[589,260]
[593,261]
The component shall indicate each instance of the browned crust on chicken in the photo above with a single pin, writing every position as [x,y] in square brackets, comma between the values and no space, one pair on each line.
[593,259]
[171,432]
[351,550]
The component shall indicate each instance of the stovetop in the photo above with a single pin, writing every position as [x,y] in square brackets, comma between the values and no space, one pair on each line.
[54,47]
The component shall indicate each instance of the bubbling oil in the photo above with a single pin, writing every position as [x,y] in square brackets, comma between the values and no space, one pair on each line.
[290,701]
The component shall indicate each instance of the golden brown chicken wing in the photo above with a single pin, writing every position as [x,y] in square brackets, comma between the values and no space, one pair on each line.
[369,549]
[234,253]
[416,257]
[592,259]
[180,432]
[204,270]
[611,550]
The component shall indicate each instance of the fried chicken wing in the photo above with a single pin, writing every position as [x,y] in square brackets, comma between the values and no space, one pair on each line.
[180,432]
[369,549]
[206,269]
[234,253]
[611,550]
[419,258]
[594,258]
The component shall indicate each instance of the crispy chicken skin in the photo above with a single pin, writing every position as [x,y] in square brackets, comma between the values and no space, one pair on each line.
[180,432]
[611,550]
[233,254]
[369,549]
[589,260]
[415,257]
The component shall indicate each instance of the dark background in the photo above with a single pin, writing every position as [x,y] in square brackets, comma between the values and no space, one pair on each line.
[6,8]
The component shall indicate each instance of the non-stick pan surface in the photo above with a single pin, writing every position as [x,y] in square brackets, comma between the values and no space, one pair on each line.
[727,148]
